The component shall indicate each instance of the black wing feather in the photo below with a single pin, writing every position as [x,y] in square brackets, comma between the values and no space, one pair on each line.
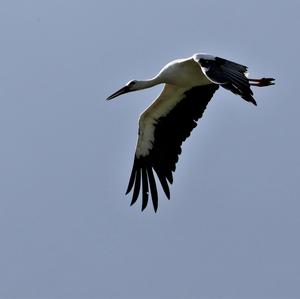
[145,187]
[137,184]
[170,132]
[153,188]
[230,75]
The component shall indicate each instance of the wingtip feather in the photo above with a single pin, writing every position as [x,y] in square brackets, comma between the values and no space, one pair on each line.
[137,186]
[153,188]
[145,188]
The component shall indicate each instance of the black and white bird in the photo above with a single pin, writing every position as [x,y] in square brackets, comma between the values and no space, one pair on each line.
[189,84]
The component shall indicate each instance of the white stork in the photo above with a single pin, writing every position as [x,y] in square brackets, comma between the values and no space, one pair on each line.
[189,84]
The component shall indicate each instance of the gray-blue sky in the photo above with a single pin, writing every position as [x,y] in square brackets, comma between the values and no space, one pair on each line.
[231,229]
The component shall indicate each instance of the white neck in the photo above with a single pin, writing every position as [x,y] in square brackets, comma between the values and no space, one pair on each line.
[142,84]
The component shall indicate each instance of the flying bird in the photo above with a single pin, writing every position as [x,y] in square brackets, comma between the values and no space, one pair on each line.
[189,84]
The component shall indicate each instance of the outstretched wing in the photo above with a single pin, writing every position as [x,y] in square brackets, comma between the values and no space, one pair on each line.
[228,74]
[163,127]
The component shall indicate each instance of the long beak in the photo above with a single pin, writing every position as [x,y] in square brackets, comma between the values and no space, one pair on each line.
[123,90]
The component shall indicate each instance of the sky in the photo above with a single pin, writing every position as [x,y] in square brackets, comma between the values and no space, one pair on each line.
[231,228]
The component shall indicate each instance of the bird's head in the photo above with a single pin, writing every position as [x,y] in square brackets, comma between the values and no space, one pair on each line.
[130,86]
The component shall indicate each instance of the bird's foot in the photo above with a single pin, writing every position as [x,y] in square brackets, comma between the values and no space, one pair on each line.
[262,82]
